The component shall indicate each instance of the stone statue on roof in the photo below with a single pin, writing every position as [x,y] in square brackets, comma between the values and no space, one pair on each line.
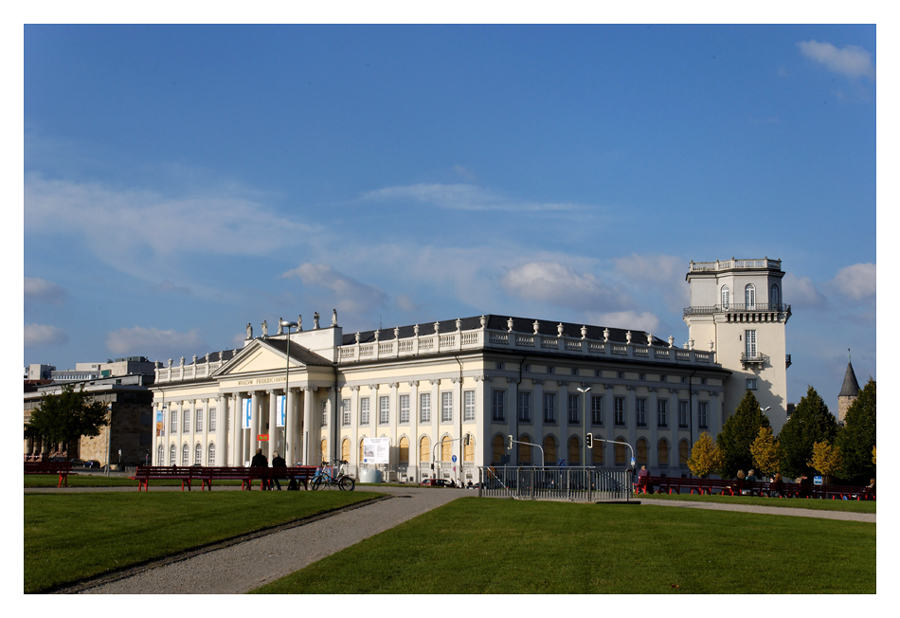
[316,320]
[265,329]
[334,317]
[249,331]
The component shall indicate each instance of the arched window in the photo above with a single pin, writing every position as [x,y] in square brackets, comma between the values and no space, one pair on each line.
[641,454]
[774,297]
[597,453]
[404,450]
[211,454]
[445,448]
[525,450]
[726,297]
[160,454]
[424,449]
[550,451]
[324,451]
[361,457]
[172,455]
[185,455]
[574,452]
[345,449]
[684,452]
[750,296]
[620,454]
[469,450]
[198,454]
[662,450]
[499,449]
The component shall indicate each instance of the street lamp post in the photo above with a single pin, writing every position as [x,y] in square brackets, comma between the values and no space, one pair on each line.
[287,370]
[108,438]
[584,391]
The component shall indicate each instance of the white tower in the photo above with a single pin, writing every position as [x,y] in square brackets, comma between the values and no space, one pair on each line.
[737,308]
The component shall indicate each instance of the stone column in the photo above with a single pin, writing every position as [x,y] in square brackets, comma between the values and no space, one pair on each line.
[254,423]
[305,433]
[290,420]
[273,431]
[221,430]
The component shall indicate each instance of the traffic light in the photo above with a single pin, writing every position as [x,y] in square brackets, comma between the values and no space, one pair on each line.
[509,443]
[589,442]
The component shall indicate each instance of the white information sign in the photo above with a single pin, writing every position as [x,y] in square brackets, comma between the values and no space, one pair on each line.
[279,418]
[376,450]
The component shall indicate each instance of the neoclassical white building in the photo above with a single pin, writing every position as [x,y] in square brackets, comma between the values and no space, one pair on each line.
[315,395]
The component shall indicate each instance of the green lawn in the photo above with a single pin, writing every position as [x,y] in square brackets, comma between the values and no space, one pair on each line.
[852,506]
[483,545]
[71,537]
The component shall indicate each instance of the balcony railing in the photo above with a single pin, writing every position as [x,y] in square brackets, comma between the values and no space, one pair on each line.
[738,308]
[734,264]
[753,359]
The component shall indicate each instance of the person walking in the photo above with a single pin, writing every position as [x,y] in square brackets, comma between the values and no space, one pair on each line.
[259,461]
[278,462]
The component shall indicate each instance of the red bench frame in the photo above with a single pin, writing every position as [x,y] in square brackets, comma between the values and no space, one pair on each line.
[207,474]
[734,487]
[62,468]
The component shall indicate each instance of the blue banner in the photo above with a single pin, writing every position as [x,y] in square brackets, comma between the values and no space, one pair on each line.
[247,405]
[280,402]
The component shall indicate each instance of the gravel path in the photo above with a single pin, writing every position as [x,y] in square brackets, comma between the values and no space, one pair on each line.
[248,565]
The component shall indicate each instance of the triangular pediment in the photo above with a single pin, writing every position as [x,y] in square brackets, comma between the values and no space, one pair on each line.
[258,357]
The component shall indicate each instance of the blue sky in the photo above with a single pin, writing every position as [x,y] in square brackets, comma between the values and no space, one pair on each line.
[181,181]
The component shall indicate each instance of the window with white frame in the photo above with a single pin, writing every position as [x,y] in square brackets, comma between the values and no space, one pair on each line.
[364,411]
[726,297]
[596,409]
[212,419]
[404,408]
[549,407]
[750,343]
[185,455]
[384,410]
[750,296]
[619,404]
[774,296]
[701,414]
[524,406]
[160,454]
[573,409]
[751,384]
[198,454]
[198,423]
[325,413]
[469,405]
[498,404]
[662,412]
[211,454]
[345,416]
[424,407]
[446,407]
[640,412]
[682,413]
[173,422]
[186,417]
[172,455]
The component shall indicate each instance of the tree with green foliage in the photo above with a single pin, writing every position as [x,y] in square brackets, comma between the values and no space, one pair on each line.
[766,452]
[856,438]
[811,422]
[67,417]
[826,459]
[706,457]
[738,433]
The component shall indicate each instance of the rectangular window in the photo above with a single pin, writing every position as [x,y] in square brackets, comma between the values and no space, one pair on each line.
[425,408]
[682,414]
[549,407]
[573,410]
[345,417]
[620,411]
[384,410]
[640,411]
[446,407]
[173,419]
[498,401]
[186,425]
[324,414]
[198,425]
[469,406]
[751,384]
[524,407]
[404,408]
[701,414]
[364,411]
[750,341]
[662,412]
[212,419]
[596,409]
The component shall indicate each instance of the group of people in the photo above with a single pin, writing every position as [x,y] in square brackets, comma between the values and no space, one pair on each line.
[259,461]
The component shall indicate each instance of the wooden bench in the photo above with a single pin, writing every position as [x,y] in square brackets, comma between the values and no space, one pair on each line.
[844,492]
[736,487]
[207,474]
[144,474]
[62,468]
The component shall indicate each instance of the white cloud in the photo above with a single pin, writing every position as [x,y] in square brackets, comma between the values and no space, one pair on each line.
[633,320]
[406,303]
[664,274]
[801,292]
[461,197]
[152,342]
[851,61]
[350,295]
[560,285]
[856,281]
[43,290]
[44,334]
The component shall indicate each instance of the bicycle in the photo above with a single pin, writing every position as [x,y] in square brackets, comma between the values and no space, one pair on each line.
[324,479]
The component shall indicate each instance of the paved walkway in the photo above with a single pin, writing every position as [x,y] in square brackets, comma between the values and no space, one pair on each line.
[247,565]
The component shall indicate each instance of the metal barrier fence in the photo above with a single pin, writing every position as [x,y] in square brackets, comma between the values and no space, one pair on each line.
[551,483]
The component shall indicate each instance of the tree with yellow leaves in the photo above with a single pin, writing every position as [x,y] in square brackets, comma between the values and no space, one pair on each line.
[766,452]
[826,458]
[706,456]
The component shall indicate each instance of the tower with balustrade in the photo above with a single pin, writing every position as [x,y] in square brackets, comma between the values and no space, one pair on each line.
[737,310]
